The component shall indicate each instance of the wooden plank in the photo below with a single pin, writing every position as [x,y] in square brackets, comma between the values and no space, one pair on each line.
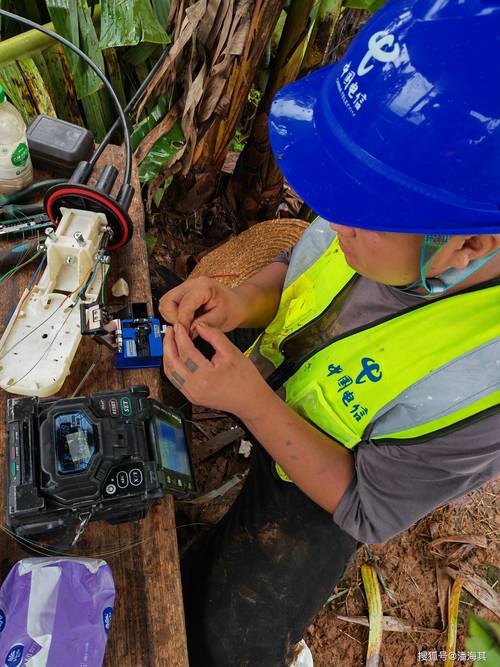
[148,621]
[218,442]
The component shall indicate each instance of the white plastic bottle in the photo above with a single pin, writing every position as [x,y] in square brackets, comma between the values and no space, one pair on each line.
[16,170]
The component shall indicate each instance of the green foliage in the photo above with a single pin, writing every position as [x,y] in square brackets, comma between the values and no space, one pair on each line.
[165,148]
[59,84]
[370,5]
[124,38]
[484,636]
[72,19]
[163,151]
[254,96]
[68,84]
[33,9]
[237,144]
[137,55]
[162,10]
[129,22]
[151,241]
[147,124]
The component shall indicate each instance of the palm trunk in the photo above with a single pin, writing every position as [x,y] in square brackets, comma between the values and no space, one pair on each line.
[197,175]
[257,183]
[320,42]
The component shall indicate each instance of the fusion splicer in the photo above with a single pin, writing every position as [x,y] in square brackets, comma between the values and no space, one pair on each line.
[135,337]
[104,457]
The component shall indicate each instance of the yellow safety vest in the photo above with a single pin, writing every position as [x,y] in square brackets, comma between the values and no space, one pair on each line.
[401,378]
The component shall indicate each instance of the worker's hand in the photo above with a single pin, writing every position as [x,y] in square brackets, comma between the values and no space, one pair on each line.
[202,300]
[228,382]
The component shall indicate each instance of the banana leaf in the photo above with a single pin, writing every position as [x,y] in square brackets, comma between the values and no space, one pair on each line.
[30,9]
[372,590]
[322,35]
[453,606]
[137,55]
[162,10]
[60,85]
[99,113]
[18,92]
[163,150]
[145,126]
[8,28]
[129,22]
[141,71]
[36,86]
[370,5]
[115,75]
[73,20]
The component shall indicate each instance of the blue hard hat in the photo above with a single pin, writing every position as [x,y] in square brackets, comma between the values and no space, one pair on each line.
[403,134]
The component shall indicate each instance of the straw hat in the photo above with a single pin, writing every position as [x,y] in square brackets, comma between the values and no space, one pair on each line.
[243,255]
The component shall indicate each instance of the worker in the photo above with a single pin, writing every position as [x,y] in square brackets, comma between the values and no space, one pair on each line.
[373,393]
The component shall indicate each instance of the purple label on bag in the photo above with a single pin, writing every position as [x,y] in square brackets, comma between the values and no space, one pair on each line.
[2,620]
[14,656]
[106,619]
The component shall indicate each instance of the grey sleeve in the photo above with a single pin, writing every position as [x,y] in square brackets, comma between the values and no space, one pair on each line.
[395,485]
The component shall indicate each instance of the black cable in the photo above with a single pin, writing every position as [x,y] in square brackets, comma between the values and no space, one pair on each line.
[97,71]
[137,96]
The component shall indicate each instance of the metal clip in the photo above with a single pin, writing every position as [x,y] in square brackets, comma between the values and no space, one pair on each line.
[84,520]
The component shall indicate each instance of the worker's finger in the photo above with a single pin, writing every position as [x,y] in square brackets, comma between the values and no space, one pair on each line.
[170,351]
[169,302]
[214,317]
[190,304]
[217,339]
[190,356]
[168,308]
[175,370]
[211,315]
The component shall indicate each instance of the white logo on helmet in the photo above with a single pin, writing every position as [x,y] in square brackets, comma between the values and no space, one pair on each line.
[377,45]
[381,48]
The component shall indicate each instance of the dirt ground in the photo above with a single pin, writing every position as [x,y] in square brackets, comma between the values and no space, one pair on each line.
[406,563]
[407,567]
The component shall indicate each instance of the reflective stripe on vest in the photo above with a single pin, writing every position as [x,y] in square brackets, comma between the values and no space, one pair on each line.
[403,377]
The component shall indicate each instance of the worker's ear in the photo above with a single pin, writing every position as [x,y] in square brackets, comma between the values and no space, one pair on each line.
[470,248]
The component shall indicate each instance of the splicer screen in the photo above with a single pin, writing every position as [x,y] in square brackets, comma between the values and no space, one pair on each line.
[173,448]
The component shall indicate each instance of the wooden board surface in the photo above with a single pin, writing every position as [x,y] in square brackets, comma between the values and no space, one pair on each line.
[148,622]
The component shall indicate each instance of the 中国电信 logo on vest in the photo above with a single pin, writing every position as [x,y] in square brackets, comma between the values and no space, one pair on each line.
[370,371]
[346,385]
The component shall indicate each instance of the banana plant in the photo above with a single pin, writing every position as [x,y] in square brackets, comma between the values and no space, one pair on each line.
[40,77]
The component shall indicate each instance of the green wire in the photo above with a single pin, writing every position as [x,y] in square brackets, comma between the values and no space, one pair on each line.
[20,266]
[105,270]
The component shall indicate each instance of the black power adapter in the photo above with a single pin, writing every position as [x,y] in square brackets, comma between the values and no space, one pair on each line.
[58,146]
